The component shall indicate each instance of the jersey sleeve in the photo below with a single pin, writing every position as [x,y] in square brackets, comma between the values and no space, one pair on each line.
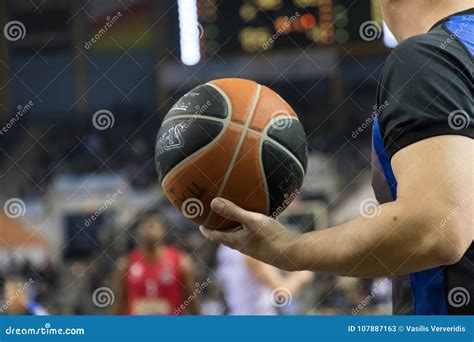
[426,91]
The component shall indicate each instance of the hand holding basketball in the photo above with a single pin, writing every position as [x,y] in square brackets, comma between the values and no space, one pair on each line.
[259,236]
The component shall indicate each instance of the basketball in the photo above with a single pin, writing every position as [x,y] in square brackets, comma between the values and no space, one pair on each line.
[235,139]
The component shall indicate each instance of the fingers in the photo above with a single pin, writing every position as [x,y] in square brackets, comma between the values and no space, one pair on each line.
[229,238]
[231,211]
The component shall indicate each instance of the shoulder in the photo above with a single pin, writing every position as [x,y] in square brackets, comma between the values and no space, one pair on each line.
[423,85]
[422,67]
[425,53]
[430,40]
[414,52]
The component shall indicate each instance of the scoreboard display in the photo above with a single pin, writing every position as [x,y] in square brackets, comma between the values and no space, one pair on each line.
[255,26]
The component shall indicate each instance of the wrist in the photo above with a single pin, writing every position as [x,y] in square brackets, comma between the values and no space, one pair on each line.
[290,252]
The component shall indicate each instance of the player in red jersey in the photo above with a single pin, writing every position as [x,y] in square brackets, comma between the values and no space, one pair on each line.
[155,279]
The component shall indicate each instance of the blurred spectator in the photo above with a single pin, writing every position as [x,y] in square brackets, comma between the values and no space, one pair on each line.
[251,287]
[19,298]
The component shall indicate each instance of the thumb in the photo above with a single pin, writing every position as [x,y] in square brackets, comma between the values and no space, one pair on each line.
[230,211]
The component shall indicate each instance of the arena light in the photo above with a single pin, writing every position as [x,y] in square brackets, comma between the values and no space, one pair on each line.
[190,32]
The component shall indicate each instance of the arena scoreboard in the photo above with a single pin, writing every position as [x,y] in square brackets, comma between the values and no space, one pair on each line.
[255,26]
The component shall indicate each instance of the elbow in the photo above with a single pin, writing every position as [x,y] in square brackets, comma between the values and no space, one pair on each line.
[441,236]
[449,246]
[444,253]
[456,251]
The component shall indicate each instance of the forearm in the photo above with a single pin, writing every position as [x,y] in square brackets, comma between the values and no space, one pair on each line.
[430,223]
[397,241]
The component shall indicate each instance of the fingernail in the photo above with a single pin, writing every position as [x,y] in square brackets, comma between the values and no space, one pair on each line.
[217,205]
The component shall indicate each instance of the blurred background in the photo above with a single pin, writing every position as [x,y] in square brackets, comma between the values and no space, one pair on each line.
[84,86]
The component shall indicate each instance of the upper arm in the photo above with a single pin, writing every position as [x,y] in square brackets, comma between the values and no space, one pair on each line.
[428,131]
[436,179]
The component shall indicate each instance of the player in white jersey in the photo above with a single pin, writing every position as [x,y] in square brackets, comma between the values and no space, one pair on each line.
[252,287]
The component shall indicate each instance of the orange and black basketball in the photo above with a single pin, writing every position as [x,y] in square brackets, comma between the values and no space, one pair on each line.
[231,138]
